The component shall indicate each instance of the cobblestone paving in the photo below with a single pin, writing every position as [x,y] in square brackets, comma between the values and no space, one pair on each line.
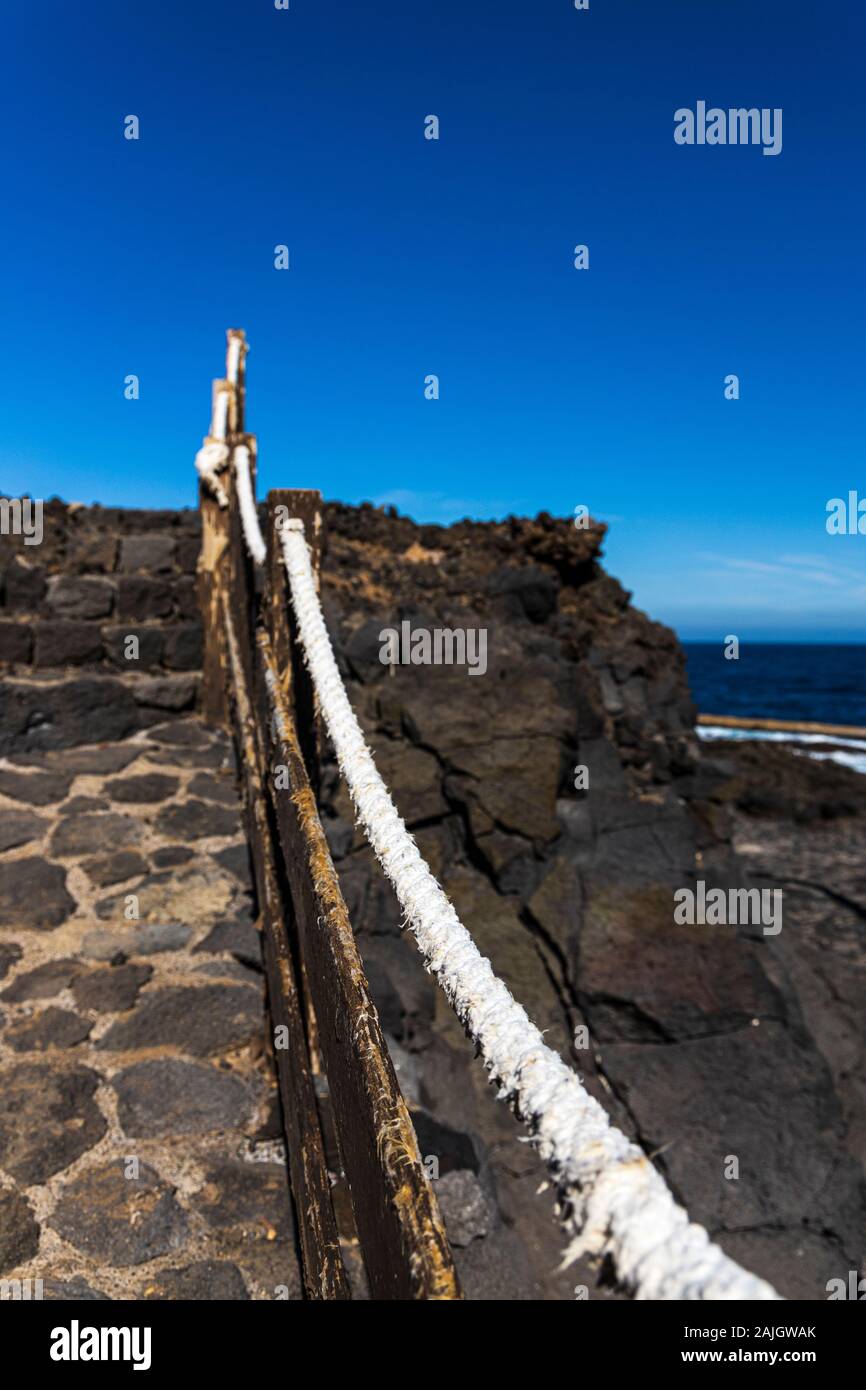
[139,1149]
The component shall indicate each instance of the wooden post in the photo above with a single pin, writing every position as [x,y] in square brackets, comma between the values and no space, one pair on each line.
[306,505]
[236,356]
[406,1251]
[212,563]
[322,1266]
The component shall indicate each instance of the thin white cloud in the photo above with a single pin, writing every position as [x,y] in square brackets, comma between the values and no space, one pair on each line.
[438,506]
[803,571]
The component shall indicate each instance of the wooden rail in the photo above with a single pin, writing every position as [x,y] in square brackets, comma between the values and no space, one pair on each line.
[782,726]
[321,1012]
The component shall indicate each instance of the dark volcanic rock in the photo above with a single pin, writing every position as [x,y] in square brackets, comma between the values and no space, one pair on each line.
[193,820]
[76,597]
[48,1119]
[237,1193]
[84,805]
[59,714]
[37,788]
[764,780]
[33,894]
[81,834]
[16,641]
[209,756]
[755,1095]
[183,648]
[466,1210]
[192,893]
[112,990]
[170,856]
[154,553]
[239,937]
[115,641]
[529,592]
[173,1097]
[146,786]
[212,788]
[25,586]
[67,644]
[136,939]
[645,978]
[404,994]
[166,692]
[213,1280]
[807,1261]
[141,597]
[237,860]
[187,733]
[52,1028]
[98,761]
[71,1291]
[114,868]
[91,550]
[10,954]
[43,982]
[17,827]
[204,1020]
[19,1232]
[453,1150]
[120,1220]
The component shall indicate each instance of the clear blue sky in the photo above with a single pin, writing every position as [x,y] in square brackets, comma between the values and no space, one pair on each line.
[454,257]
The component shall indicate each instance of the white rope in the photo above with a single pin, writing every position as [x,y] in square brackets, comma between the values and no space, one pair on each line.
[614,1202]
[213,456]
[247,503]
[210,460]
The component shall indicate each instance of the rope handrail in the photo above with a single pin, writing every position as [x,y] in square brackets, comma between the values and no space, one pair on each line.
[612,1200]
[253,537]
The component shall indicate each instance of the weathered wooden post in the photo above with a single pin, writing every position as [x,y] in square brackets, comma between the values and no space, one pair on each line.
[406,1251]
[229,587]
[318,1237]
[304,504]
[214,497]
[255,679]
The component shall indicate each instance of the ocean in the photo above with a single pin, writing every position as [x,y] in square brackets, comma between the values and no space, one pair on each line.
[773,680]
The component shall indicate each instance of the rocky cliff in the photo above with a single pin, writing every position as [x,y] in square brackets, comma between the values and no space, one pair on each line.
[707,1043]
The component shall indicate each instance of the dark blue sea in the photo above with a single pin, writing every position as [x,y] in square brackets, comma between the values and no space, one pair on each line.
[780,681]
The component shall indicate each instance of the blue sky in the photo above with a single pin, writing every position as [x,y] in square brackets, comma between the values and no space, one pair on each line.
[454,257]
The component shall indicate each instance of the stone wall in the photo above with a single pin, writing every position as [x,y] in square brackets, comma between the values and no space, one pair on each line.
[68,609]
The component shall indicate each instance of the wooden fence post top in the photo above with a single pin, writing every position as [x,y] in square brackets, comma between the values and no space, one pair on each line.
[303,504]
[237,348]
